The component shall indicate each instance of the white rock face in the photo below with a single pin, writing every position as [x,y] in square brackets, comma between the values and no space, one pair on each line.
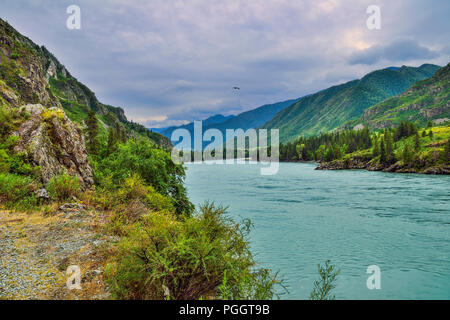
[54,143]
[51,71]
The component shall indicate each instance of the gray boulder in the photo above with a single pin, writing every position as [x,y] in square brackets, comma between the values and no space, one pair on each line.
[54,144]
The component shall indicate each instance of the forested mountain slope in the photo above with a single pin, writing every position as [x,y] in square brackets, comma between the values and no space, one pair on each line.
[331,108]
[427,100]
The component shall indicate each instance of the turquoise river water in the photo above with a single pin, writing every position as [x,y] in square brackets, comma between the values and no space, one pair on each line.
[303,217]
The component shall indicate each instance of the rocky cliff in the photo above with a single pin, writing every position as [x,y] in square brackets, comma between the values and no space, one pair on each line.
[52,142]
[45,135]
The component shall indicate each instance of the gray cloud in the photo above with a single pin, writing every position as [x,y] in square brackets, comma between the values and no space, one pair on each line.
[403,50]
[171,61]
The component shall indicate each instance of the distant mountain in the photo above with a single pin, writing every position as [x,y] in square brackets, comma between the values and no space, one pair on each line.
[216,119]
[331,108]
[427,100]
[251,119]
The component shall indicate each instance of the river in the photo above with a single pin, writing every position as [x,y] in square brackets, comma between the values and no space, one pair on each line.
[302,217]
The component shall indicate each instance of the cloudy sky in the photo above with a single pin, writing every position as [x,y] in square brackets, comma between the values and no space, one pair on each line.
[167,62]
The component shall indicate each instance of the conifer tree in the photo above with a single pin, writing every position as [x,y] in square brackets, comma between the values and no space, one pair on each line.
[389,147]
[382,152]
[376,148]
[112,140]
[447,152]
[92,132]
[406,155]
[416,142]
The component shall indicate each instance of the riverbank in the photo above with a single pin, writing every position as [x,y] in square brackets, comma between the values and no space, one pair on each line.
[399,167]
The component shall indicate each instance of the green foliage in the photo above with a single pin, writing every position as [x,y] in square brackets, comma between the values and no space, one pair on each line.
[116,135]
[17,191]
[92,132]
[14,55]
[404,130]
[378,148]
[324,286]
[407,154]
[416,141]
[446,153]
[6,117]
[204,256]
[326,147]
[63,187]
[383,158]
[154,165]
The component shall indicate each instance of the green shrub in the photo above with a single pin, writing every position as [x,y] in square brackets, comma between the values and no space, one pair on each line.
[149,162]
[17,191]
[5,121]
[324,286]
[134,199]
[4,161]
[63,187]
[205,256]
[14,55]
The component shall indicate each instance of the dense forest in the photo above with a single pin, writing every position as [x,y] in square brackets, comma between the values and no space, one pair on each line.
[407,144]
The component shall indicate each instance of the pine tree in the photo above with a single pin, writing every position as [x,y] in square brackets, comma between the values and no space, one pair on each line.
[424,133]
[92,132]
[112,140]
[120,133]
[376,148]
[382,152]
[447,152]
[389,146]
[431,134]
[416,142]
[406,155]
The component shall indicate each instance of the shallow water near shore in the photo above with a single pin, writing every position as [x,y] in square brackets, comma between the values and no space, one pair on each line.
[303,217]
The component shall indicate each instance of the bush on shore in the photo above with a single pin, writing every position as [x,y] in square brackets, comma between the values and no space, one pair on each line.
[63,187]
[17,191]
[205,256]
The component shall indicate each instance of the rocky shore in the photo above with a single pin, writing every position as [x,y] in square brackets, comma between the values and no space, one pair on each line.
[398,167]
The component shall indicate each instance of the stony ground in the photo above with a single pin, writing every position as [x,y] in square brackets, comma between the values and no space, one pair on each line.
[37,248]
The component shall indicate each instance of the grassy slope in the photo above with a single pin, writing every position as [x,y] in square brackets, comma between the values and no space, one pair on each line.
[330,108]
[424,101]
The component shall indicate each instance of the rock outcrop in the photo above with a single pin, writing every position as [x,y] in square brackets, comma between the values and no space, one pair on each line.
[399,167]
[53,143]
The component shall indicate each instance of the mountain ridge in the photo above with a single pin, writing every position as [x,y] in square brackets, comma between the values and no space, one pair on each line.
[426,100]
[330,108]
